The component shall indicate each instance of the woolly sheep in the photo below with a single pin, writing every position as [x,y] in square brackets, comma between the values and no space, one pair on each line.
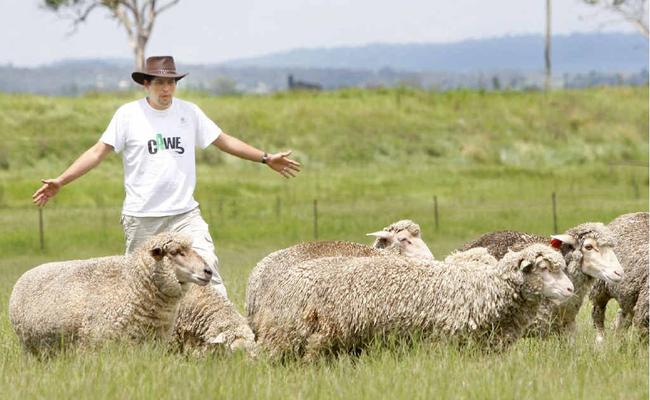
[401,237]
[207,321]
[476,255]
[265,272]
[406,234]
[342,303]
[588,253]
[632,292]
[87,302]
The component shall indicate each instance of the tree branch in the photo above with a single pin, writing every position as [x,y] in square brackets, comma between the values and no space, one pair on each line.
[166,6]
[121,16]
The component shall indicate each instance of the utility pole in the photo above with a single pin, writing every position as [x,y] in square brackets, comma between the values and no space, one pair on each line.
[547,48]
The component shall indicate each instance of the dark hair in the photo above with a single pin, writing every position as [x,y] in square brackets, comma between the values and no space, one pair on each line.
[149,78]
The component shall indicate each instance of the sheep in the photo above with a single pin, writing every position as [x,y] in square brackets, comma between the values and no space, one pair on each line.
[498,243]
[266,270]
[399,238]
[476,255]
[588,253]
[406,234]
[207,321]
[85,303]
[333,304]
[632,292]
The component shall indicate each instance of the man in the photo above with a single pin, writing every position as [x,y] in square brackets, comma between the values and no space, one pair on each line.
[157,137]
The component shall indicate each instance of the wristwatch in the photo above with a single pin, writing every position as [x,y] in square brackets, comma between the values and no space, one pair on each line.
[265,158]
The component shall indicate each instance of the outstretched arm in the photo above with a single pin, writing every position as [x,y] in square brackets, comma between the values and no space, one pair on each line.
[279,162]
[87,161]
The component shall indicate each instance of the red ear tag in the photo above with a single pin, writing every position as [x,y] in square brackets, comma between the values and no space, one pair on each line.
[556,243]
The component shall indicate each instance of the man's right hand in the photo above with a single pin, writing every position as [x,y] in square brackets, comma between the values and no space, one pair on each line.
[49,189]
[87,161]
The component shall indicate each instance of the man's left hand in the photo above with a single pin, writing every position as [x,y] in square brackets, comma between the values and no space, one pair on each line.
[281,163]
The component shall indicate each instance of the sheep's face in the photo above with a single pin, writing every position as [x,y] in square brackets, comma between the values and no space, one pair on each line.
[412,246]
[600,261]
[590,247]
[187,264]
[544,275]
[410,243]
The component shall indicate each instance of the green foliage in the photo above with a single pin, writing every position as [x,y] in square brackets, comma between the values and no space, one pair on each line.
[370,126]
[491,160]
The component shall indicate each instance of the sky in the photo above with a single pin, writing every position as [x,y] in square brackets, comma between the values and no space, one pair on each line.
[206,31]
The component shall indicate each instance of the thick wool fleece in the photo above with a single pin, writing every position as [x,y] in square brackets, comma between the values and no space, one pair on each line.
[632,292]
[265,273]
[552,318]
[208,321]
[343,303]
[86,302]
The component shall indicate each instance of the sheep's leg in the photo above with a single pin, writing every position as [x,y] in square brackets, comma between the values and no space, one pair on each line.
[640,319]
[622,321]
[317,344]
[598,318]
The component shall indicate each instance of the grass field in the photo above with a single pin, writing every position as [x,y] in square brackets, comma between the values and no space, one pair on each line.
[491,160]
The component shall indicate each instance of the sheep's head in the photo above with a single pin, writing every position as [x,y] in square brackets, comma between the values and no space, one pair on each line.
[235,342]
[176,250]
[542,268]
[590,247]
[406,235]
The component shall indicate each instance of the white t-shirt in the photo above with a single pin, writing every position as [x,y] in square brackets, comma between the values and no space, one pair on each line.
[157,148]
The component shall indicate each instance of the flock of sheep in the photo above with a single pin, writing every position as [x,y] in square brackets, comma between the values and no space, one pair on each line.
[320,298]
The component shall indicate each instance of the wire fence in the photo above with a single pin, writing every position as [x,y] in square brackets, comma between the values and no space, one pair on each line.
[334,218]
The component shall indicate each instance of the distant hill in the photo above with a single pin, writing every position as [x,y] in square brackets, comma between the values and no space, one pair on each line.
[574,53]
[513,62]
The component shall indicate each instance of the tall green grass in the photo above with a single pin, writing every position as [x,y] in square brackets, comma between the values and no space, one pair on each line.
[491,160]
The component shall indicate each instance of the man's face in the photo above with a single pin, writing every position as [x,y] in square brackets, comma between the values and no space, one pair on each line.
[160,92]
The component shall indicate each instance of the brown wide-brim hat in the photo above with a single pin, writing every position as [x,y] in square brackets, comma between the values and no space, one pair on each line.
[158,66]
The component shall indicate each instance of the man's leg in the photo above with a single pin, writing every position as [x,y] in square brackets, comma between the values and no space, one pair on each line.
[193,224]
[138,229]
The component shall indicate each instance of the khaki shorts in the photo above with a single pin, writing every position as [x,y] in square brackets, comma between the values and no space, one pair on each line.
[139,229]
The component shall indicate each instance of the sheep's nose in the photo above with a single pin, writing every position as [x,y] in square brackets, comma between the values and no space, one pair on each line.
[617,273]
[569,289]
[207,271]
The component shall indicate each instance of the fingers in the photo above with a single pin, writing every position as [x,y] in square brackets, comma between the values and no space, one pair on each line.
[285,166]
[285,156]
[45,192]
[41,200]
[288,172]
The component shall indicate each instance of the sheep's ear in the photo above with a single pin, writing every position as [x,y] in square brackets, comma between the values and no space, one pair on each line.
[381,234]
[157,253]
[525,266]
[557,240]
[383,239]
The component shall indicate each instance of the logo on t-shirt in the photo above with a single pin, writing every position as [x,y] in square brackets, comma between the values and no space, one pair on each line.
[164,143]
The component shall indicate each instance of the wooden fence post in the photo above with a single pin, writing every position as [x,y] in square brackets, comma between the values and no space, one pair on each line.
[554,214]
[315,219]
[41,232]
[435,211]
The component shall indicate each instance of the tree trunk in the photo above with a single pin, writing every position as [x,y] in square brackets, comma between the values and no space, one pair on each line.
[138,52]
[547,48]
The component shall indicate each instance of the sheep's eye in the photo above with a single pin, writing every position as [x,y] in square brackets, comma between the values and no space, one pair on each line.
[173,253]
[405,240]
[589,247]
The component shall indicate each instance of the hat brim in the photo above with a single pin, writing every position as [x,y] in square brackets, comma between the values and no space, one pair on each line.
[139,77]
